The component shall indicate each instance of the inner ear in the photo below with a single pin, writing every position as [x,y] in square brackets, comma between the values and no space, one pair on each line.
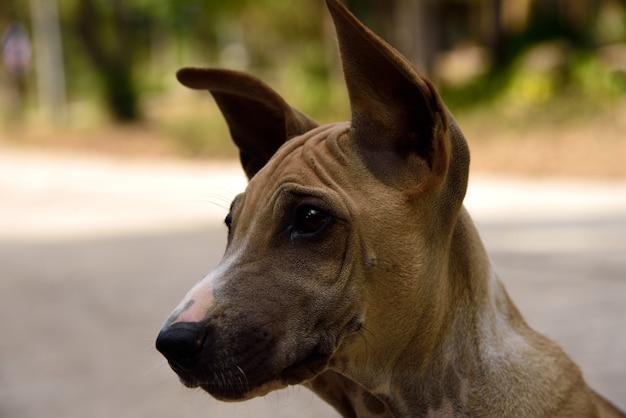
[259,120]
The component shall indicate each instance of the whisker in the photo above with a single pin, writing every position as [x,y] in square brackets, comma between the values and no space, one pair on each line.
[220,201]
[245,377]
[369,346]
[156,366]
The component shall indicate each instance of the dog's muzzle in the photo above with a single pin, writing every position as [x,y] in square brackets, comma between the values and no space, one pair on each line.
[239,365]
[188,348]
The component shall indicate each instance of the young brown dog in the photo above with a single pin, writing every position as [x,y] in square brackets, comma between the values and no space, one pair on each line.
[352,266]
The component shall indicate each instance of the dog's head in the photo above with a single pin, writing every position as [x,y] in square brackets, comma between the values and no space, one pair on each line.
[339,229]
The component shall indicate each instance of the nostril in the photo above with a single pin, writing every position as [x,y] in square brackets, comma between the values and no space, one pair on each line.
[181,342]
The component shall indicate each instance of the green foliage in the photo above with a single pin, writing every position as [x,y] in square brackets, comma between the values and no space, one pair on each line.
[582,84]
[596,81]
[124,53]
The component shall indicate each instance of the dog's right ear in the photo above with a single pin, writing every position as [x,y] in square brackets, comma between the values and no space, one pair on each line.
[259,119]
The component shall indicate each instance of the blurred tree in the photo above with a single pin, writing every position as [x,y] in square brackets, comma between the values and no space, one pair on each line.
[15,60]
[49,59]
[415,28]
[131,45]
[108,31]
[422,29]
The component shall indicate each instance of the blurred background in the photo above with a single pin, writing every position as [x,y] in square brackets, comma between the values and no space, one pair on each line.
[542,75]
[114,179]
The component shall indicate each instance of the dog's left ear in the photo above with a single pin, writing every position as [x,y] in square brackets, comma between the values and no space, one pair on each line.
[259,119]
[397,115]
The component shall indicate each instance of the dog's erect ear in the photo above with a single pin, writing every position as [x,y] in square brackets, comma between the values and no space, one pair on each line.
[395,111]
[259,119]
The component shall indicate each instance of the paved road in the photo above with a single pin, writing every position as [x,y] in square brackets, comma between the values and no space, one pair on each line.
[95,252]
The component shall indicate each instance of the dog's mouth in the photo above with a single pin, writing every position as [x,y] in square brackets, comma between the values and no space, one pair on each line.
[234,384]
[234,366]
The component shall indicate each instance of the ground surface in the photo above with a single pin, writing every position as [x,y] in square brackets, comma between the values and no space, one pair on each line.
[96,251]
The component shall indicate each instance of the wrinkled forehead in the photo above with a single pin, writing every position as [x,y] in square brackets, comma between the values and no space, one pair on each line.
[317,158]
[318,164]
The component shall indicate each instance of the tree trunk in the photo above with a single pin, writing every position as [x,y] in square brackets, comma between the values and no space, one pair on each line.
[416,31]
[48,59]
[114,64]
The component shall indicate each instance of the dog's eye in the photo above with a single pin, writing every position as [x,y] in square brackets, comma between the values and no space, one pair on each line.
[309,220]
[228,221]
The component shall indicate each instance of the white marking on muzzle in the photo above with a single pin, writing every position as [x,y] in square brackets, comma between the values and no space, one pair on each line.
[200,299]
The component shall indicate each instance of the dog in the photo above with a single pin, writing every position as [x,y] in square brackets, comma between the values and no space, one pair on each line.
[352,266]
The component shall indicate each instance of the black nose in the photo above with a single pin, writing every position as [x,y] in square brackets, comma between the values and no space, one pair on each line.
[181,343]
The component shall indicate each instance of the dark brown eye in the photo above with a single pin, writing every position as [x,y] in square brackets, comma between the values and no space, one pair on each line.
[228,221]
[309,220]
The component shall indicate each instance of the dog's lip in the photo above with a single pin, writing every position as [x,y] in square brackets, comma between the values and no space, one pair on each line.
[241,392]
[294,374]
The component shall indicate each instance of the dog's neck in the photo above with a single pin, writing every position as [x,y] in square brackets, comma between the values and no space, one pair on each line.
[380,382]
